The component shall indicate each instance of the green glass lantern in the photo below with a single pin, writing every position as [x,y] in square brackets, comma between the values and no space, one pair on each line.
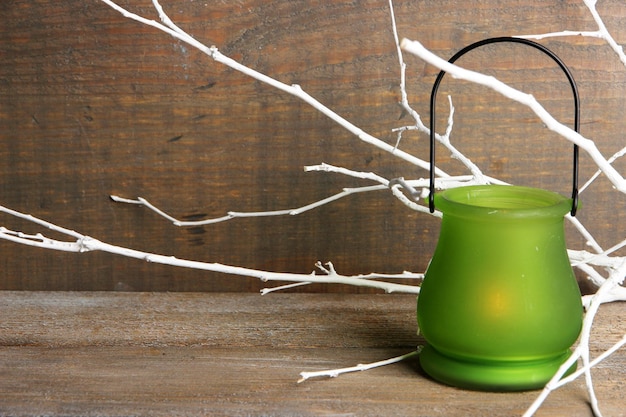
[499,306]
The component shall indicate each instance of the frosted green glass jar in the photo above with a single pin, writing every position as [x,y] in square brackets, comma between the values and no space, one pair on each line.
[499,306]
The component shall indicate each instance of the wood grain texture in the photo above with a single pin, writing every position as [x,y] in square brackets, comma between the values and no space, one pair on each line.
[189,354]
[93,104]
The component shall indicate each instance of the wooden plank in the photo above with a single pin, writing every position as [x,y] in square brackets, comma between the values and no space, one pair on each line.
[94,104]
[114,354]
[77,319]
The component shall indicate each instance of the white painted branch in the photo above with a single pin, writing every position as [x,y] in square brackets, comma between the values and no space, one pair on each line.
[602,32]
[618,345]
[323,167]
[404,98]
[294,89]
[85,243]
[440,183]
[331,270]
[606,35]
[333,373]
[479,177]
[590,34]
[582,350]
[265,291]
[238,214]
[590,259]
[419,125]
[528,100]
[612,159]
[589,239]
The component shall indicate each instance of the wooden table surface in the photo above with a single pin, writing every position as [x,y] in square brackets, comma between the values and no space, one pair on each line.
[188,354]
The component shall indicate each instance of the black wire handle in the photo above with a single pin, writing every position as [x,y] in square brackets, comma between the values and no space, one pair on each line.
[433,99]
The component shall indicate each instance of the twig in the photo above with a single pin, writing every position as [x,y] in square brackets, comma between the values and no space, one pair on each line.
[590,34]
[238,214]
[331,270]
[333,373]
[404,100]
[602,32]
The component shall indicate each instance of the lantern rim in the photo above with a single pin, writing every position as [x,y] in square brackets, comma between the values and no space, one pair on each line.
[508,201]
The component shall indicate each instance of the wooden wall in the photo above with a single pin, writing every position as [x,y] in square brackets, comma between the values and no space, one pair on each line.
[93,104]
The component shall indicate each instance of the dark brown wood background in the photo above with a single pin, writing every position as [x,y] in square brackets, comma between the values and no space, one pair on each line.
[93,104]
